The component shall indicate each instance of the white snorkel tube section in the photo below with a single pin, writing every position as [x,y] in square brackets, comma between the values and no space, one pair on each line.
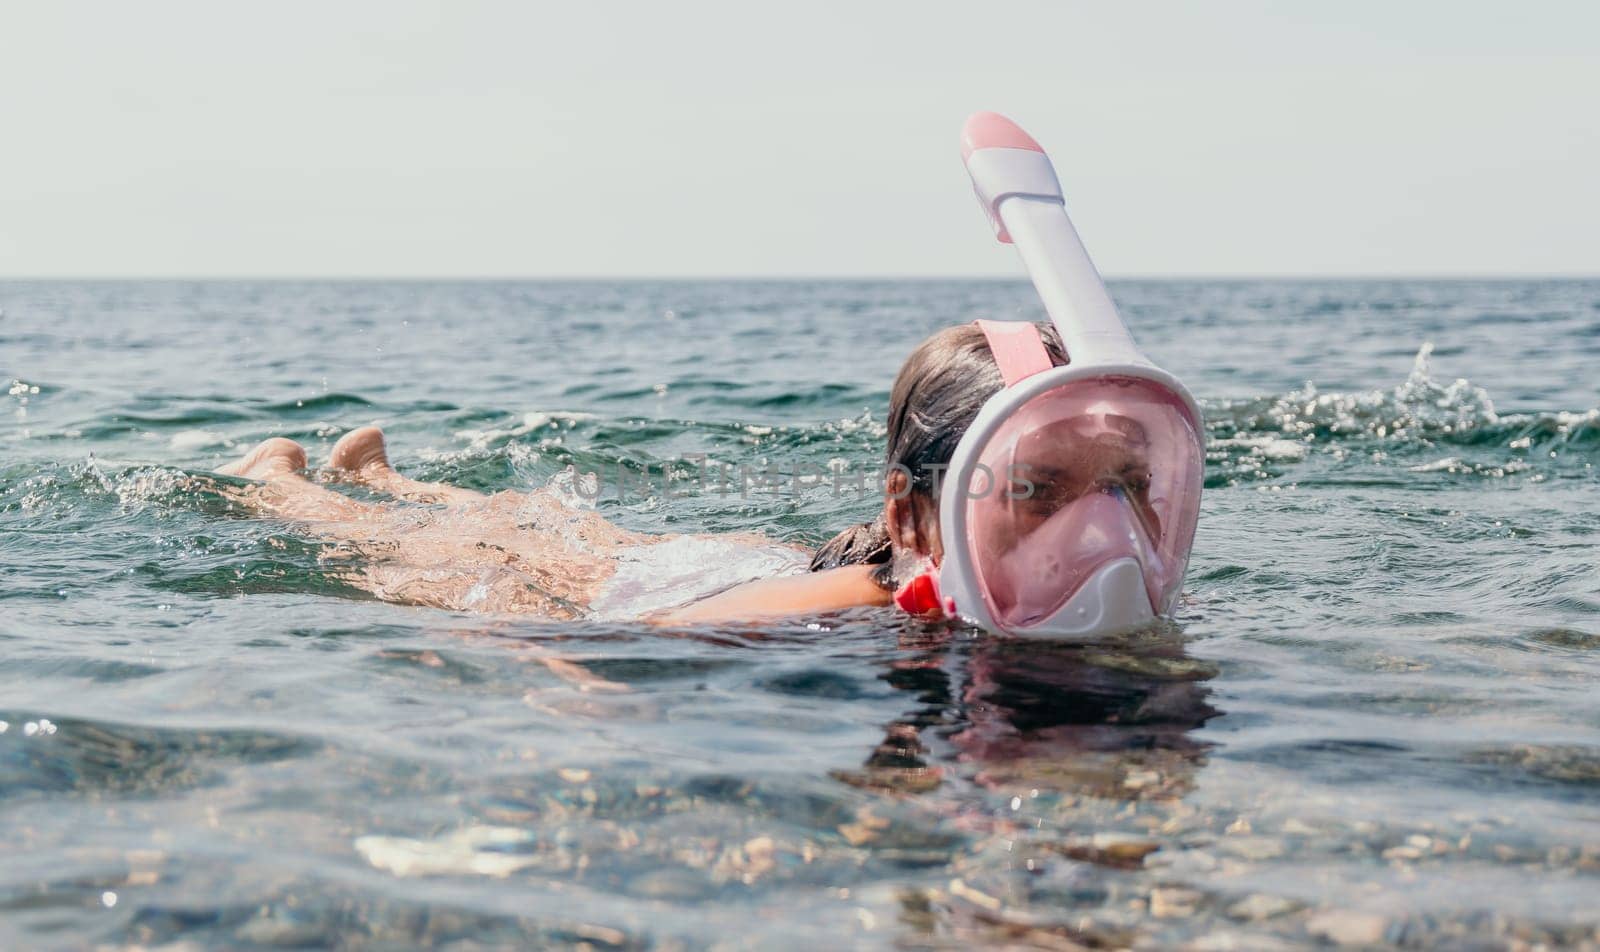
[1019,191]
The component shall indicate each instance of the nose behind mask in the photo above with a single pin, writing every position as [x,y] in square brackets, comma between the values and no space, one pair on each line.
[1050,564]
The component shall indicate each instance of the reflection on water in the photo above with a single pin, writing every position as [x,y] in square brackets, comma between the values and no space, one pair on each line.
[1064,733]
[1102,720]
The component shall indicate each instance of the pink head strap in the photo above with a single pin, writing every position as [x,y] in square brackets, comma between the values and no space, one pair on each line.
[1017,348]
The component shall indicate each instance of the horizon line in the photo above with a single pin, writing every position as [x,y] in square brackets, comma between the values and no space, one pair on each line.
[779,278]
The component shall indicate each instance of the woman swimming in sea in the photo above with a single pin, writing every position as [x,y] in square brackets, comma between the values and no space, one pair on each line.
[533,553]
[1072,496]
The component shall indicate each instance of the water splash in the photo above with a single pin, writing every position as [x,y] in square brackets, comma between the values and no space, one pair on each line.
[1260,438]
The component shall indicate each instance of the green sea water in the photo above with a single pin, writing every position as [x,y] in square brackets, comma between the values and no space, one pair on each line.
[1373,722]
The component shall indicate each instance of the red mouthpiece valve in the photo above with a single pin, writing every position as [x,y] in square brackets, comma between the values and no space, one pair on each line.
[920,595]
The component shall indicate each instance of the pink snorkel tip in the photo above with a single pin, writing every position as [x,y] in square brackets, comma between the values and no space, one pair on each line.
[990,130]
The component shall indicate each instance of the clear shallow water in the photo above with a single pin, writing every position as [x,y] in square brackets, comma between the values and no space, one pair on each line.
[1375,721]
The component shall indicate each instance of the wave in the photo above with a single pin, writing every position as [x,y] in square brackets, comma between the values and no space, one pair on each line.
[1263,437]
[1420,430]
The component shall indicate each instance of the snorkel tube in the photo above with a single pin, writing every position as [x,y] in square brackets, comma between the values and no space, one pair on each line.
[1016,184]
[1101,545]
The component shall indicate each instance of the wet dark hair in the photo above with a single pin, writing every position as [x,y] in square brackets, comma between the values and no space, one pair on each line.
[936,396]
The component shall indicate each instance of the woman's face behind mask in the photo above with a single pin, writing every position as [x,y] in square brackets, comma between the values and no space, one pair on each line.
[1083,475]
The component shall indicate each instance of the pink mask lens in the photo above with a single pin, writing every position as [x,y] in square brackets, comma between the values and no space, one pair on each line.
[1081,476]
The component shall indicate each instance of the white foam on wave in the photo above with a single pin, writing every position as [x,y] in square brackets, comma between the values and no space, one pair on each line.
[479,439]
[195,439]
[1418,405]
[867,422]
[1450,464]
[1265,447]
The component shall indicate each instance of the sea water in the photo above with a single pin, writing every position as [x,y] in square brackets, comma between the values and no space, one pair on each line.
[1374,721]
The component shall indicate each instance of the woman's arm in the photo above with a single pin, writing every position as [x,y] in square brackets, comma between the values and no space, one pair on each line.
[851,586]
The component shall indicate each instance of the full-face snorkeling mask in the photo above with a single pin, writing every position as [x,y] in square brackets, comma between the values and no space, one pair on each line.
[1070,503]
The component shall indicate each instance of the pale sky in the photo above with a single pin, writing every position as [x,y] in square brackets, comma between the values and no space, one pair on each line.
[407,139]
